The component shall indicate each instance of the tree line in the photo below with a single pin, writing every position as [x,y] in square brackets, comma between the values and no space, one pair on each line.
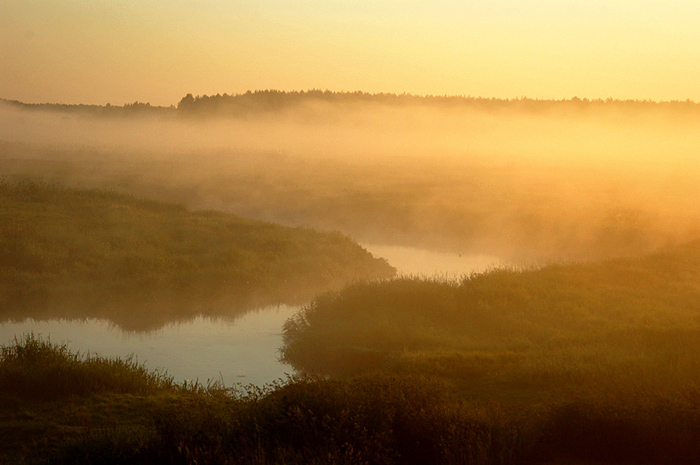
[270,101]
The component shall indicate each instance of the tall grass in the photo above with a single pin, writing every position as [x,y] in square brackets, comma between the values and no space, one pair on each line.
[38,369]
[60,408]
[121,413]
[615,312]
[605,353]
[70,252]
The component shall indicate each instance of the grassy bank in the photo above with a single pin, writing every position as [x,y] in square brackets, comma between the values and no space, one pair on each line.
[60,407]
[115,412]
[535,211]
[91,253]
[585,362]
[568,320]
[606,351]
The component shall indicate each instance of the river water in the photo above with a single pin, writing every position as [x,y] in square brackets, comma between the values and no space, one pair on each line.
[421,262]
[241,350]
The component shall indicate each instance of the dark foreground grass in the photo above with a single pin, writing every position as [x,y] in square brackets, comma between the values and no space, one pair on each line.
[86,413]
[60,407]
[33,368]
[91,253]
[580,363]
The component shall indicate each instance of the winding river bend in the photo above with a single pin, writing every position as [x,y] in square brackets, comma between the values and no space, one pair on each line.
[241,350]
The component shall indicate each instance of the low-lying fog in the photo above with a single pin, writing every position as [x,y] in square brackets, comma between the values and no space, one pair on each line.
[556,182]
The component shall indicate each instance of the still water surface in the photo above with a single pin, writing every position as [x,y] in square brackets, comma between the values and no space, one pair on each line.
[241,350]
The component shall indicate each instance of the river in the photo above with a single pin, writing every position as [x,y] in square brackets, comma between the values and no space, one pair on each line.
[241,350]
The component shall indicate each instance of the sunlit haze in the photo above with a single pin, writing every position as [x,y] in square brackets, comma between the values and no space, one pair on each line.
[350,231]
[98,52]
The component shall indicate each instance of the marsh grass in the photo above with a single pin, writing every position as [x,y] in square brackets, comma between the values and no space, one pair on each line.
[91,253]
[37,369]
[605,353]
[87,414]
[617,312]
[77,414]
[367,420]
[565,363]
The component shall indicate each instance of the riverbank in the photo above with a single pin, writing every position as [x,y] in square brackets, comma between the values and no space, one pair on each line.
[604,353]
[115,412]
[74,253]
[550,322]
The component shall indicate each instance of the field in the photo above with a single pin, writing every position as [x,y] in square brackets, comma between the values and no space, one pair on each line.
[522,180]
[469,230]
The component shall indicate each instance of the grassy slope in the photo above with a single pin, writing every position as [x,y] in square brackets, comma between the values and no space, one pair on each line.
[76,253]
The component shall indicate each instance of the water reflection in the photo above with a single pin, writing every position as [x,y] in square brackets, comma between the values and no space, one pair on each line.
[240,350]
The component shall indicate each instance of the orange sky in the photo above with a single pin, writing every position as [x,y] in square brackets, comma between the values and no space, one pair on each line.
[120,51]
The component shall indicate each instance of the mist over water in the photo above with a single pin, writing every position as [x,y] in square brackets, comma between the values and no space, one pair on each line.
[410,261]
[548,360]
[558,183]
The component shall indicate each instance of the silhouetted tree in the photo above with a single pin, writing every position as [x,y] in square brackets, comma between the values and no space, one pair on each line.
[187,103]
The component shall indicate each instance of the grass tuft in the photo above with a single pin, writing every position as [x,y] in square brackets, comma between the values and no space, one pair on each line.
[38,369]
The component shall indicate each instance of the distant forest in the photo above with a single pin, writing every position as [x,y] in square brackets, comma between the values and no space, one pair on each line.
[269,101]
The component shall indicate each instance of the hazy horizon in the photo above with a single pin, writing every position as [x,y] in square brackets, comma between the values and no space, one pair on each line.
[155,51]
[507,182]
[484,98]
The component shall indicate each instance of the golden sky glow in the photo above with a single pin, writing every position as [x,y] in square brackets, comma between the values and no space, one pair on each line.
[119,51]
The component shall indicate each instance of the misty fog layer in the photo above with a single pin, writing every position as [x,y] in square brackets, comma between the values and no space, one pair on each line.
[520,185]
